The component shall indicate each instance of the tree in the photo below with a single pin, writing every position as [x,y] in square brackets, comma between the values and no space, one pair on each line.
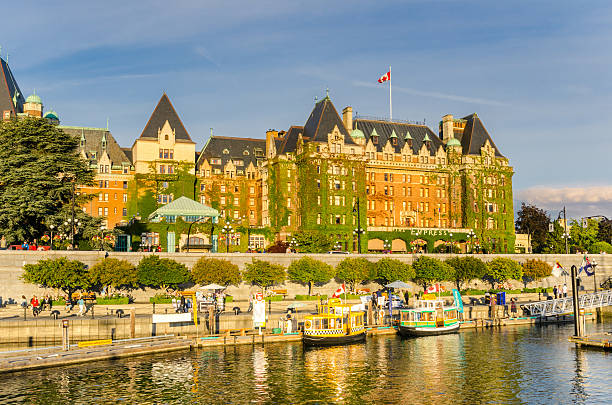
[264,274]
[218,271]
[39,165]
[115,274]
[313,242]
[501,270]
[354,271]
[533,221]
[583,238]
[535,269]
[602,246]
[604,231]
[466,269]
[154,272]
[388,270]
[429,270]
[278,247]
[309,271]
[67,275]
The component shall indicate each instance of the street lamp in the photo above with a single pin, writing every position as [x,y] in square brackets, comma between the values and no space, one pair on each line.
[293,244]
[227,229]
[471,236]
[387,246]
[450,242]
[358,231]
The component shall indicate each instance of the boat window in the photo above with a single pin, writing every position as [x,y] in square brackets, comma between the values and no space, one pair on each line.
[317,323]
[324,323]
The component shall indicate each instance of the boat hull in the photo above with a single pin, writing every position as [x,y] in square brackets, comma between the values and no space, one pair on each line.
[415,331]
[310,340]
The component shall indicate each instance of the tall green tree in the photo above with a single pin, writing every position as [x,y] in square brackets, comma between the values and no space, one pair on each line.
[354,271]
[501,270]
[466,269]
[429,270]
[582,238]
[388,270]
[114,274]
[264,274]
[217,271]
[533,221]
[67,275]
[38,165]
[310,271]
[604,231]
[154,272]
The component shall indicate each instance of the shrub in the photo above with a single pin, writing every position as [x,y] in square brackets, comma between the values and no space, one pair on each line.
[67,275]
[502,269]
[309,271]
[113,300]
[466,269]
[264,274]
[154,272]
[218,271]
[388,270]
[601,246]
[535,269]
[274,298]
[429,270]
[161,299]
[302,297]
[354,271]
[114,274]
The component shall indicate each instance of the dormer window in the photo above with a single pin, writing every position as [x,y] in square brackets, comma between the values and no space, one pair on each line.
[225,152]
[245,153]
[375,140]
[166,137]
[394,141]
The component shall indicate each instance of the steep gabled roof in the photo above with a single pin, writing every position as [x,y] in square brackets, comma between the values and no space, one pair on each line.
[322,121]
[475,135]
[165,111]
[385,129]
[289,141]
[243,149]
[93,143]
[9,91]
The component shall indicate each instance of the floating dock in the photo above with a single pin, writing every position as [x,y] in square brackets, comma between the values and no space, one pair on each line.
[36,358]
[597,341]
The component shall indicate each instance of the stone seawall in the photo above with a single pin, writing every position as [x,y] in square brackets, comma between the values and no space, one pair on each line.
[12,286]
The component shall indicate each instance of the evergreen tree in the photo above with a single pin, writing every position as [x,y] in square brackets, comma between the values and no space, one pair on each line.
[38,166]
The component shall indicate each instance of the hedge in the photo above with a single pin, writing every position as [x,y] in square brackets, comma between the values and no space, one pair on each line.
[274,298]
[161,299]
[113,301]
[303,297]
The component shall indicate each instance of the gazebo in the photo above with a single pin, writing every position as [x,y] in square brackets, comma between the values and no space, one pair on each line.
[189,211]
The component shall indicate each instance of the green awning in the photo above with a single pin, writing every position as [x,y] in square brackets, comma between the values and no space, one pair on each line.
[183,207]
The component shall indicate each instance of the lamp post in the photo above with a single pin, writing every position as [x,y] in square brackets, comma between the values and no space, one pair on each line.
[387,246]
[358,231]
[450,241]
[471,236]
[51,227]
[293,244]
[565,234]
[227,229]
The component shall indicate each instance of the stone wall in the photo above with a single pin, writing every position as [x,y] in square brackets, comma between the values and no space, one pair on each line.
[11,268]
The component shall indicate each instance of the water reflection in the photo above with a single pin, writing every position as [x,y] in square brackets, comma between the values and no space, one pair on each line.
[513,365]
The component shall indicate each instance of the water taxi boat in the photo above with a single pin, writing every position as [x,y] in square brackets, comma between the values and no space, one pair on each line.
[334,324]
[430,316]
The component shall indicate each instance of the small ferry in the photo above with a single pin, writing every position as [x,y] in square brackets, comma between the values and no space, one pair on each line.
[334,324]
[431,316]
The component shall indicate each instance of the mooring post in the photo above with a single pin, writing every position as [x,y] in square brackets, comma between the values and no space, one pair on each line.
[577,326]
[132,322]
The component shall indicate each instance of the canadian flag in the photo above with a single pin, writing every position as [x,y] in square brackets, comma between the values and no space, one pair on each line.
[433,289]
[339,291]
[385,77]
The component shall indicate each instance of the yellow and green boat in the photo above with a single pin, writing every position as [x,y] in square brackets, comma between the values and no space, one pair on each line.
[334,324]
[431,316]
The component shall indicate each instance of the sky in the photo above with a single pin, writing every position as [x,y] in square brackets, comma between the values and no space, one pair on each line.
[538,73]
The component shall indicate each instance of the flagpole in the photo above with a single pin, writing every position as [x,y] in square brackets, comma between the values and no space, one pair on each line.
[390,99]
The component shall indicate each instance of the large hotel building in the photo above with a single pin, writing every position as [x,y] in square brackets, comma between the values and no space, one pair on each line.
[406,186]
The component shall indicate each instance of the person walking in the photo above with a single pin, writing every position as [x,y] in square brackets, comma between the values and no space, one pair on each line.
[35,305]
[69,303]
[24,302]
[555,292]
[81,303]
[564,290]
[493,306]
[513,307]
[3,243]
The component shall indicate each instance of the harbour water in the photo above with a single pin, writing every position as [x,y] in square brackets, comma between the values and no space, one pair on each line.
[530,364]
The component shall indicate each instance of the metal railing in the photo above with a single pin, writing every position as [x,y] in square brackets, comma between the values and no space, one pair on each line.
[562,306]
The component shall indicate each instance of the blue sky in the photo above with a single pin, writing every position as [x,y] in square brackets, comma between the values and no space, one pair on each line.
[538,73]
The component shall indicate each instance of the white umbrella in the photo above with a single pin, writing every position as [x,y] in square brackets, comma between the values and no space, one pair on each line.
[212,287]
[398,284]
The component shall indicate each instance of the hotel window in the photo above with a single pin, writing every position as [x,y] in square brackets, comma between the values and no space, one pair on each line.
[337,200]
[222,200]
[319,200]
[170,169]
[100,197]
[251,201]
[288,187]
[391,190]
[319,218]
[426,192]
[115,210]
[105,196]
[115,196]
[235,200]
[100,211]
[202,199]
[105,183]
[404,205]
[288,202]
[101,183]
[105,211]
[125,212]
[390,176]
[252,190]
[386,191]
[386,177]
[354,186]
[162,169]
[421,192]
[223,188]
[202,187]
[252,214]
[318,183]
[289,220]
[338,220]
[124,197]
[426,207]
[236,214]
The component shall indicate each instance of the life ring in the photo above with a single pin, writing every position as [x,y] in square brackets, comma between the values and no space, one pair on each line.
[307,324]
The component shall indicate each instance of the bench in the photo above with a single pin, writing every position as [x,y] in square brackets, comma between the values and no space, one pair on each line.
[362,291]
[55,314]
[279,292]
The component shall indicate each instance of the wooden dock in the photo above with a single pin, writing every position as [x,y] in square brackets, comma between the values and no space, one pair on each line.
[36,358]
[598,341]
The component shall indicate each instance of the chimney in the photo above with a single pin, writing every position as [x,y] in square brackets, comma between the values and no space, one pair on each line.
[447,128]
[271,135]
[347,118]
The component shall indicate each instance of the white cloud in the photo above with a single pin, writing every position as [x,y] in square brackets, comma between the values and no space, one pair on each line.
[580,201]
